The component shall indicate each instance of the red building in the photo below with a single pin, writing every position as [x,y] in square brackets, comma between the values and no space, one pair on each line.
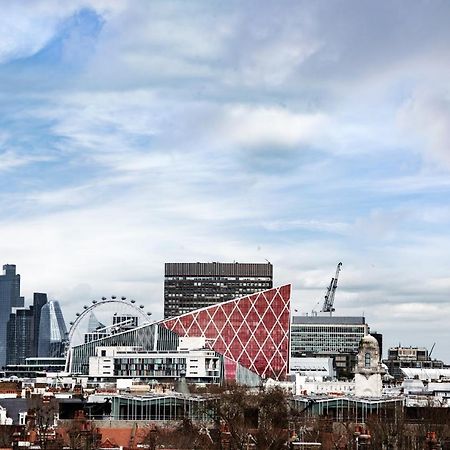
[252,331]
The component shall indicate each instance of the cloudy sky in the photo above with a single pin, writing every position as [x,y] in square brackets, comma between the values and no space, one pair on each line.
[302,132]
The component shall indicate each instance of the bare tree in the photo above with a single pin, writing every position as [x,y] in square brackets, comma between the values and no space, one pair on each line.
[41,418]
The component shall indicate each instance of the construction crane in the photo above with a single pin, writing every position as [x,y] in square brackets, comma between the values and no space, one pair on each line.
[331,290]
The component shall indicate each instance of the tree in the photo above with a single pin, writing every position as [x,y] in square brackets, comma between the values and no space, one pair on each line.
[82,433]
[41,419]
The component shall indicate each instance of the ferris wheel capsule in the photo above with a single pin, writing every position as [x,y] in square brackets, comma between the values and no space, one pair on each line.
[123,298]
[103,298]
[141,306]
[113,297]
[133,301]
[149,314]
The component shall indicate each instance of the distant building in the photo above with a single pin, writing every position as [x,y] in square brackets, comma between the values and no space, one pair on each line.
[9,298]
[39,300]
[20,335]
[23,331]
[190,286]
[52,331]
[332,336]
[409,357]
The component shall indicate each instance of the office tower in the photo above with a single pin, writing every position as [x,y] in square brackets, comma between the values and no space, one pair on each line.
[20,335]
[39,300]
[190,286]
[9,298]
[52,331]
[336,337]
[23,331]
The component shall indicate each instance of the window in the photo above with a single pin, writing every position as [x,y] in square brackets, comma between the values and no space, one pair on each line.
[367,360]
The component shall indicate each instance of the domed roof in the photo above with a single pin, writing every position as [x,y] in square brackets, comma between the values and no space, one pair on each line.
[369,339]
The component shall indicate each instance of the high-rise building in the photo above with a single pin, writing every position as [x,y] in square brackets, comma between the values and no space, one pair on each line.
[334,336]
[39,300]
[189,286]
[23,331]
[52,331]
[9,298]
[20,335]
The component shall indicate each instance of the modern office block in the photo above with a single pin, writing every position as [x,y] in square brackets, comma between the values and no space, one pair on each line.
[20,335]
[190,286]
[9,298]
[251,331]
[338,337]
[39,300]
[23,331]
[52,331]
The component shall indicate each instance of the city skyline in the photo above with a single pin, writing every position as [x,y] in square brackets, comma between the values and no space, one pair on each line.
[132,134]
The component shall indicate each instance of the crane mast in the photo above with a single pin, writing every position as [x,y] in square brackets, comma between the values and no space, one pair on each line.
[331,290]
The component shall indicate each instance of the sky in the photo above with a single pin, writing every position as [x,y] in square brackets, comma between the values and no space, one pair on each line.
[305,133]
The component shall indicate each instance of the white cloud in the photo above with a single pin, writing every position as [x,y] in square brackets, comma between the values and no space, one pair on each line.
[426,116]
[266,126]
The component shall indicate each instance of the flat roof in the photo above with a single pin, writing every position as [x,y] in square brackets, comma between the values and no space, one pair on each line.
[327,320]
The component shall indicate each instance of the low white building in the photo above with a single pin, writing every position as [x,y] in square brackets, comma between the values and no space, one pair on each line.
[192,360]
[313,367]
[315,385]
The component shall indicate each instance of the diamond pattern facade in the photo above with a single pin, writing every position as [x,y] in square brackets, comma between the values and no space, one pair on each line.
[252,331]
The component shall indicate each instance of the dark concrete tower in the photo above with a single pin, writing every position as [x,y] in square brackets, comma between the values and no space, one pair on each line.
[9,298]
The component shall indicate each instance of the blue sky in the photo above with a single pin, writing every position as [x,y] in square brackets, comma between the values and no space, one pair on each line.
[304,133]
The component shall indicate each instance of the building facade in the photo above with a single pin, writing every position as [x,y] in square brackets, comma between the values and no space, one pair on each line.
[250,333]
[409,357]
[23,331]
[20,335]
[9,298]
[337,337]
[52,331]
[190,286]
[196,365]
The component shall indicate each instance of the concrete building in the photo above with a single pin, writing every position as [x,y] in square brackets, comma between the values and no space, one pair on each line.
[197,364]
[329,336]
[409,357]
[190,286]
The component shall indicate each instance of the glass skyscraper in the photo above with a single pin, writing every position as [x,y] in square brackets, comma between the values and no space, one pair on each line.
[9,298]
[23,330]
[52,330]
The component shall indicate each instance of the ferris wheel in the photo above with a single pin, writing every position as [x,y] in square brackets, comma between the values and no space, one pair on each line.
[103,318]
